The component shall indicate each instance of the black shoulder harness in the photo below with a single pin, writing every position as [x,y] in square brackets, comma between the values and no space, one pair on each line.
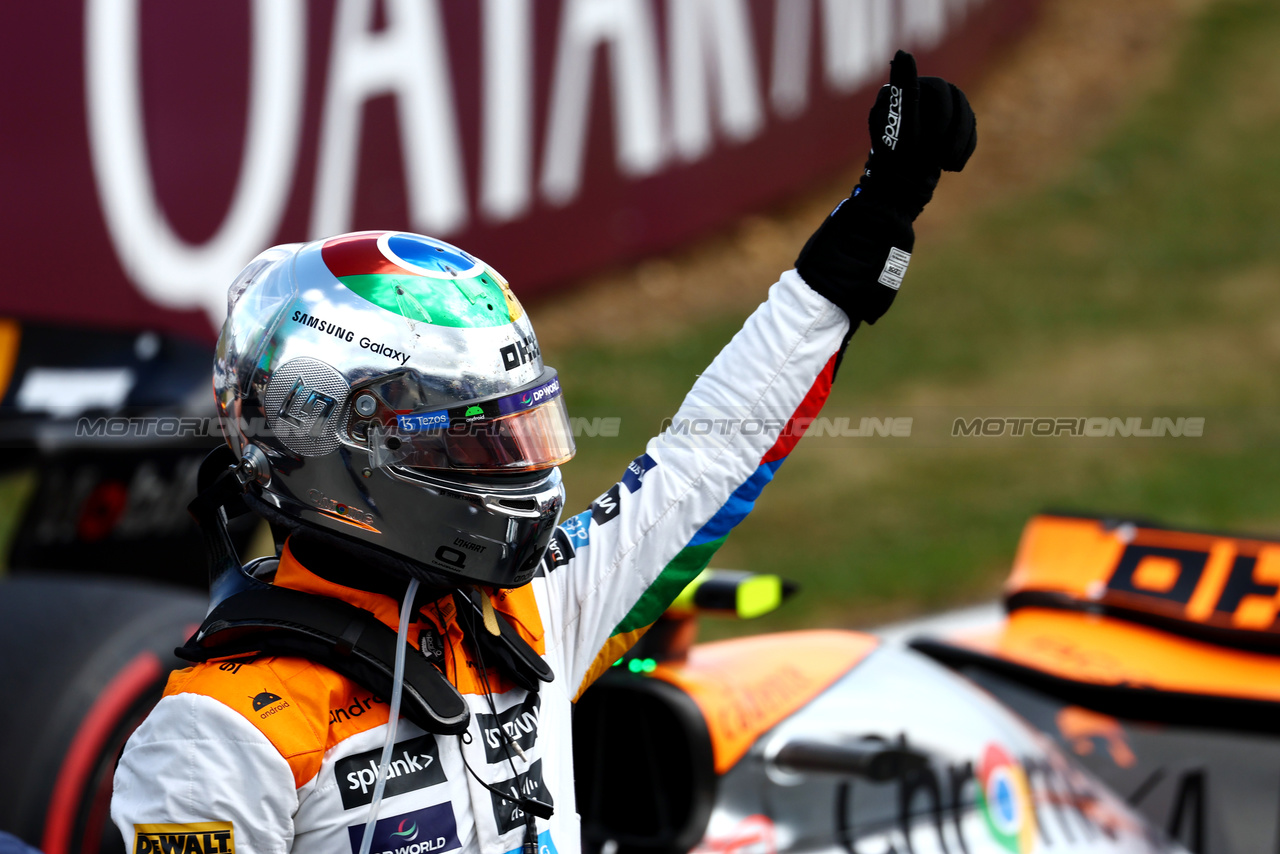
[344,638]
[350,641]
[252,619]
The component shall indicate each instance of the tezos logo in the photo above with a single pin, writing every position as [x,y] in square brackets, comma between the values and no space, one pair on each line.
[522,352]
[1004,796]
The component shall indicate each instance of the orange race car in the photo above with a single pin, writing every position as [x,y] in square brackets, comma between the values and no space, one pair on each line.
[1125,702]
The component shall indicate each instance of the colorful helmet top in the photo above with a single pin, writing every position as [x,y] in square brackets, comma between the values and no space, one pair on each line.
[394,384]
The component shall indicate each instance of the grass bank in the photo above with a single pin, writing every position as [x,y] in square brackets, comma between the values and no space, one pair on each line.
[1144,284]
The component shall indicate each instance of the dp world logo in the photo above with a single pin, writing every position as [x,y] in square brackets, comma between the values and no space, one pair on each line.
[407,834]
[425,831]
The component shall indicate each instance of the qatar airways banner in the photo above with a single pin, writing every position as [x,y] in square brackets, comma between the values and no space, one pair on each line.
[150,149]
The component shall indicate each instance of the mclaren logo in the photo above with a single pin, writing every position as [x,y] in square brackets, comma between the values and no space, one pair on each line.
[206,837]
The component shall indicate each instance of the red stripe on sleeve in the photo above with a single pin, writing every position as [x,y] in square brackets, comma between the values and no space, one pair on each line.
[805,412]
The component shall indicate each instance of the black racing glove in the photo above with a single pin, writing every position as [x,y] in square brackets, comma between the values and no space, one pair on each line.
[858,256]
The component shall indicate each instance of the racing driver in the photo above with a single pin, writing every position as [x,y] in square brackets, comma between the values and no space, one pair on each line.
[412,456]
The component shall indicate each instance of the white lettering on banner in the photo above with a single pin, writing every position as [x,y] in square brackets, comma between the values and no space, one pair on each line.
[626,26]
[857,41]
[792,32]
[711,38]
[169,270]
[506,134]
[408,58]
[712,69]
[925,21]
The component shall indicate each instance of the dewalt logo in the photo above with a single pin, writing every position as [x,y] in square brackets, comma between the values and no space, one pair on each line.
[206,837]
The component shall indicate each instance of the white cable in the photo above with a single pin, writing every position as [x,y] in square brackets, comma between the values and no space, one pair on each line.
[406,610]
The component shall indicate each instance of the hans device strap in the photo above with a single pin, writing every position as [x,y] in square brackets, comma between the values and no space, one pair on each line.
[516,659]
[252,618]
[346,639]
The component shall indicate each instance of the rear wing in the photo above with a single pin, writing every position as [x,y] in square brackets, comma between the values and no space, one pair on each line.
[1138,621]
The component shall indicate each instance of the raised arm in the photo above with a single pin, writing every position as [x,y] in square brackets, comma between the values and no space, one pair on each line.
[614,568]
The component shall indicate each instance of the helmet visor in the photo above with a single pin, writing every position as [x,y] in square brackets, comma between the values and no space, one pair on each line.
[526,430]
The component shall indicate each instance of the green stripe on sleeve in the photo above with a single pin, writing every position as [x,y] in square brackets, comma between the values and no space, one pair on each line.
[675,576]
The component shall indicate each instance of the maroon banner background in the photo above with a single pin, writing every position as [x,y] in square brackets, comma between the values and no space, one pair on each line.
[65,266]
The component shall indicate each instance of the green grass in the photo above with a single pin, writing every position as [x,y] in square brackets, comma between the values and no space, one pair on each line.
[1146,283]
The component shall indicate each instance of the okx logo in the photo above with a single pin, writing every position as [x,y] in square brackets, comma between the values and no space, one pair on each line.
[415,764]
[1005,799]
[425,831]
[523,351]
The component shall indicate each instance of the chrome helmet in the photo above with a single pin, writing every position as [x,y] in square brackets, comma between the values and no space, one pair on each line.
[388,387]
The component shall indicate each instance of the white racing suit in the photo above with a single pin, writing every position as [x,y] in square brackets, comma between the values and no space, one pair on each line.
[280,754]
